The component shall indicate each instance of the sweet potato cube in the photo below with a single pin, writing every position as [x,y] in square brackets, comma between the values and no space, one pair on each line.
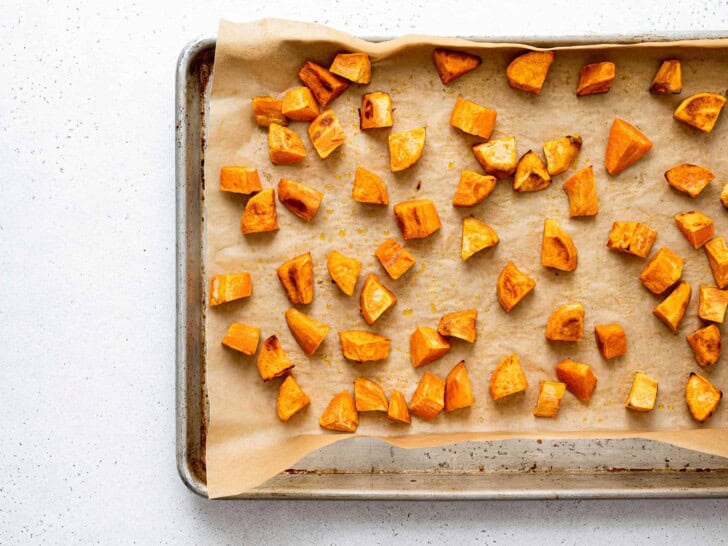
[717,253]
[668,79]
[340,415]
[671,310]
[239,180]
[531,173]
[301,200]
[363,346]
[528,71]
[595,78]
[477,236]
[700,111]
[662,271]
[326,133]
[369,396]
[507,378]
[427,345]
[458,389]
[724,195]
[309,333]
[242,338]
[284,146]
[460,325]
[611,340]
[405,149]
[453,64]
[375,299]
[696,227]
[626,145]
[702,397]
[417,219]
[560,153]
[429,398]
[273,361]
[579,378]
[473,188]
[582,192]
[344,271]
[376,111]
[355,67]
[512,286]
[550,394]
[296,276]
[712,304]
[369,188]
[291,399]
[566,323]
[398,410]
[689,179]
[631,238]
[300,105]
[268,110]
[706,344]
[557,247]
[472,118]
[260,213]
[643,394]
[225,288]
[395,259]
[324,85]
[498,156]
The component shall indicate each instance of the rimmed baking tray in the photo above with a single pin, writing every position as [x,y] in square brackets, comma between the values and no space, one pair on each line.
[365,468]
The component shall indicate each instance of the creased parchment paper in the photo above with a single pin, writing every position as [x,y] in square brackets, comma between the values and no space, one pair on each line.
[247,444]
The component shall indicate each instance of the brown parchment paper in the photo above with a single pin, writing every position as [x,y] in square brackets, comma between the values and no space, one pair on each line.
[247,444]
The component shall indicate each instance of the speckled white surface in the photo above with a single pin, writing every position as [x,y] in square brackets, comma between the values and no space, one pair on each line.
[87,290]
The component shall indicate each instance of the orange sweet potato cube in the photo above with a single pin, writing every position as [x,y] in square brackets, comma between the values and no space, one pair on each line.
[284,146]
[299,104]
[309,333]
[560,153]
[326,133]
[668,78]
[369,396]
[296,276]
[376,111]
[225,288]
[458,389]
[363,346]
[626,145]
[242,338]
[512,286]
[395,259]
[689,179]
[531,173]
[643,394]
[405,149]
[696,227]
[324,85]
[239,180]
[301,200]
[712,304]
[472,118]
[429,398]
[671,310]
[702,397]
[453,64]
[417,219]
[268,110]
[579,378]
[507,378]
[369,188]
[473,188]
[273,361]
[595,78]
[497,156]
[706,345]
[398,410]
[375,299]
[566,323]
[550,394]
[700,111]
[344,271]
[340,415]
[355,67]
[631,238]
[724,195]
[460,325]
[427,345]
[611,340]
[662,271]
[260,213]
[291,399]
[717,253]
[477,236]
[582,192]
[557,247]
[528,71]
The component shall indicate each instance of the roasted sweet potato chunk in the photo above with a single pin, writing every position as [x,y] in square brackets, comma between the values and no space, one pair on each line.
[309,333]
[724,195]
[668,78]
[417,219]
[696,227]
[363,346]
[395,259]
[398,410]
[376,111]
[560,153]
[300,105]
[643,394]
[273,361]
[671,310]
[473,188]
[291,399]
[460,325]
[557,248]
[340,415]
[426,345]
[225,288]
[611,340]
[326,133]
[507,378]
[284,146]
[472,118]
[689,179]
[702,397]
[550,394]
[453,64]
[531,173]
[429,398]
[260,213]
[706,344]
[324,85]
[595,78]
[566,323]
[528,72]
[458,389]
[405,149]
[296,277]
[344,271]
[477,236]
[498,156]
[242,338]
[369,395]
[713,303]
[301,200]
[626,145]
[375,299]
[369,188]
[513,285]
[582,192]
[239,180]
[355,67]
[700,111]
[631,238]
[268,110]
[717,253]
[662,271]
[579,378]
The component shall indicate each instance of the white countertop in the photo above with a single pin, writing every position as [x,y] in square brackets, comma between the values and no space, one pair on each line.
[88,308]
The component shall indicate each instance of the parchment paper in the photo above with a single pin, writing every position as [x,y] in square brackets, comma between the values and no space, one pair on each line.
[247,444]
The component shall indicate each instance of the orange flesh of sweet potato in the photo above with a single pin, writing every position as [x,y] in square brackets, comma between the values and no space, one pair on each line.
[239,180]
[363,346]
[284,146]
[706,345]
[668,78]
[595,78]
[713,303]
[267,110]
[273,361]
[426,345]
[700,111]
[497,156]
[643,394]
[376,111]
[560,153]
[260,213]
[308,333]
[301,200]
[243,338]
[369,188]
[453,64]
[398,410]
[473,188]
[724,195]
[296,277]
[626,145]
[531,173]
[512,286]
[300,105]
[326,133]
[429,398]
[717,253]
[631,238]
[696,227]
[662,271]
[458,389]
[566,323]
[395,259]
[477,236]
[507,378]
[369,396]
[417,219]
[557,248]
[291,399]
[689,179]
[340,415]
[528,71]
[472,118]
[550,394]
[582,192]
[324,85]
[375,299]
[225,288]
[671,310]
[702,397]
[405,149]
[460,325]
[355,67]
[344,271]
[611,340]
[579,378]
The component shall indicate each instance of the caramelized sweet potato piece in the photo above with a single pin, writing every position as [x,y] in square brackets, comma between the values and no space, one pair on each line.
[326,133]
[296,277]
[460,325]
[717,253]
[239,180]
[557,249]
[671,310]
[458,389]
[582,192]
[369,395]
[300,105]
[309,333]
[242,338]
[513,285]
[643,394]
[284,146]
[417,219]
[566,323]
[579,378]
[702,397]
[531,173]
[398,410]
[472,118]
[340,415]
[689,179]
[376,111]
[301,200]
[473,188]
[713,303]
[453,64]
[611,340]
[631,238]
[273,361]
[706,344]
[498,156]
[595,78]
[375,299]
[344,271]
[323,84]
[268,110]
[260,213]
[560,153]
[662,271]
[429,398]
[355,67]
[395,259]
[363,346]
[696,227]
[405,149]
[426,345]
[700,111]
[626,145]
[477,236]
[369,188]
[724,195]
[528,71]
[668,78]
[550,394]
[291,399]
[507,378]
[225,288]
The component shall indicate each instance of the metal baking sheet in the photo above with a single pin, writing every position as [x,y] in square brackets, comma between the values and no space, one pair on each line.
[372,469]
